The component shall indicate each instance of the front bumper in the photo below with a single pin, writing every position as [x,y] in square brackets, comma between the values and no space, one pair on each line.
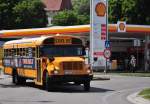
[70,78]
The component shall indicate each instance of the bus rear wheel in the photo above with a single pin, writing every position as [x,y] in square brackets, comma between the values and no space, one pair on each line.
[16,79]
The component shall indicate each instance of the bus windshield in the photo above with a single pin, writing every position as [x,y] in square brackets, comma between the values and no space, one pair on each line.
[49,51]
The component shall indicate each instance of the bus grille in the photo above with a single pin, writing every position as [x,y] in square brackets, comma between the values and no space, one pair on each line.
[72,65]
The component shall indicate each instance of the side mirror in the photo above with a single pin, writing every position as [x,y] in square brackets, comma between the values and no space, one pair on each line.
[51,59]
[95,59]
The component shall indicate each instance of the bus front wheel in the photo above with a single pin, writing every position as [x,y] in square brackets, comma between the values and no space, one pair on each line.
[46,82]
[87,86]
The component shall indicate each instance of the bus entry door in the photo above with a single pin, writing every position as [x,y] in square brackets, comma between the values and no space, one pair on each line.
[39,73]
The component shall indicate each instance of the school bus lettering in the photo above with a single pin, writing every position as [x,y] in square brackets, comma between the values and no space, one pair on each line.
[27,61]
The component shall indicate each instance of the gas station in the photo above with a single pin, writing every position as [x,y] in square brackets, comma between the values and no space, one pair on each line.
[134,41]
[122,40]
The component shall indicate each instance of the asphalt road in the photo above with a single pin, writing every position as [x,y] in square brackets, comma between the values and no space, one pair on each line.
[112,91]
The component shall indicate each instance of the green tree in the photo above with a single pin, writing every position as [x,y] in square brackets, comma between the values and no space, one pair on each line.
[81,5]
[64,18]
[22,14]
[84,12]
[6,15]
[115,8]
[142,12]
[131,11]
[78,16]
[30,14]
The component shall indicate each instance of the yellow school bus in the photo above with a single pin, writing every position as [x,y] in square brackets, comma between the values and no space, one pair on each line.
[48,60]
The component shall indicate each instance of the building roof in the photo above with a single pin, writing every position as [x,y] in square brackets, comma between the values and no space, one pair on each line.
[57,5]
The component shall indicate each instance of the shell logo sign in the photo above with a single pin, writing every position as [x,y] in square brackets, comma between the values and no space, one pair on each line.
[121,26]
[100,9]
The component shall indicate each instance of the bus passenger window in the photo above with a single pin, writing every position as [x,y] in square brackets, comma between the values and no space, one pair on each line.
[83,51]
[4,52]
[14,52]
[23,52]
[33,52]
[20,52]
[17,51]
[9,52]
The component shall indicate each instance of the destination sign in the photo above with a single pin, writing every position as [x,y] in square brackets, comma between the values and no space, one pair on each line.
[59,41]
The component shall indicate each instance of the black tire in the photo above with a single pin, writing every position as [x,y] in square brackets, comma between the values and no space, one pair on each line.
[14,77]
[17,79]
[46,83]
[87,86]
[22,81]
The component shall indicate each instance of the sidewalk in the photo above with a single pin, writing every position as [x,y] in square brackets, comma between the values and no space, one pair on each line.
[2,76]
[136,99]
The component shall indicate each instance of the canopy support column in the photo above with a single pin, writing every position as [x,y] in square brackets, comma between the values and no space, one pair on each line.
[147,52]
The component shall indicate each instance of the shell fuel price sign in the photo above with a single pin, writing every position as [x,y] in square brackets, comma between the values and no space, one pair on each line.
[98,34]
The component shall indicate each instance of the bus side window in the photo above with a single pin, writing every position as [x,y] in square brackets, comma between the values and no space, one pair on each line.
[23,52]
[4,52]
[41,51]
[20,51]
[38,51]
[9,52]
[33,52]
[17,52]
[14,52]
[83,51]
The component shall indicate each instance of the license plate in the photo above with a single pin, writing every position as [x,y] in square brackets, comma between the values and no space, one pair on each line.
[68,72]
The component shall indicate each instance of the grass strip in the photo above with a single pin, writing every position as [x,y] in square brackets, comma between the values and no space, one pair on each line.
[145,93]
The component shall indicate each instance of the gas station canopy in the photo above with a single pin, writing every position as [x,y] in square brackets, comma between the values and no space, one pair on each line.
[138,29]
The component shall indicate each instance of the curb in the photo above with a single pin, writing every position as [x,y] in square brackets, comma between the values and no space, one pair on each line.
[101,77]
[135,99]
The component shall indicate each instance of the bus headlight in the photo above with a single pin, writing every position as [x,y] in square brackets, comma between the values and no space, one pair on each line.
[56,68]
[88,71]
[55,72]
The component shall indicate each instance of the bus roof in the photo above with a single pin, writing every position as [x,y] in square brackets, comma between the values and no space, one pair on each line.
[32,42]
